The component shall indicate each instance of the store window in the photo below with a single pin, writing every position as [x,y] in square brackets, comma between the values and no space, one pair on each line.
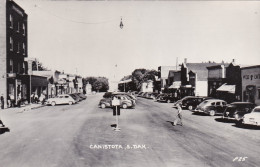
[18,27]
[23,29]
[11,66]
[23,49]
[11,21]
[11,44]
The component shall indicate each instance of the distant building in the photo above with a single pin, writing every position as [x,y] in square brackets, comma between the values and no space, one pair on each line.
[163,72]
[147,86]
[194,78]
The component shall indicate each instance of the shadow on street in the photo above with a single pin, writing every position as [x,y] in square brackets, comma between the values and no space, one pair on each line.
[252,127]
[225,120]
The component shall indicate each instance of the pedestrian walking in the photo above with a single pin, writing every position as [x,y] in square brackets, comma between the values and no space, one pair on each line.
[32,98]
[12,100]
[36,99]
[8,101]
[19,100]
[2,102]
[179,116]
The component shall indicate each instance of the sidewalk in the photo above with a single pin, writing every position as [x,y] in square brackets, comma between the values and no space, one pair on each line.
[23,108]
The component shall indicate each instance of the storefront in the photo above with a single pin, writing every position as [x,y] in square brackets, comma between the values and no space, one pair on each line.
[251,84]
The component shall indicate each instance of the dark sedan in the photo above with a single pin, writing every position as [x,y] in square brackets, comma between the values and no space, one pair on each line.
[192,102]
[237,110]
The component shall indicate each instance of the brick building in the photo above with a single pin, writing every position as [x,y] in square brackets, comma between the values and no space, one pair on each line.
[13,50]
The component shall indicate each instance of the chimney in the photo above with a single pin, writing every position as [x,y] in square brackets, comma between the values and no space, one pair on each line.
[185,60]
[234,61]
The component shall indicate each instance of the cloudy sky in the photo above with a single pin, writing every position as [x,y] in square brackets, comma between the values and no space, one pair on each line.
[85,37]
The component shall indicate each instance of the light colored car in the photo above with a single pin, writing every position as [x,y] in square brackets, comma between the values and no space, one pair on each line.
[212,107]
[252,118]
[125,102]
[61,99]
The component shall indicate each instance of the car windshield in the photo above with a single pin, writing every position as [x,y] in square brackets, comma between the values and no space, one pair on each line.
[256,110]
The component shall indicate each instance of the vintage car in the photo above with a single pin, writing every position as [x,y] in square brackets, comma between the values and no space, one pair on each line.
[152,95]
[125,102]
[252,118]
[193,101]
[212,107]
[61,99]
[81,95]
[180,101]
[237,110]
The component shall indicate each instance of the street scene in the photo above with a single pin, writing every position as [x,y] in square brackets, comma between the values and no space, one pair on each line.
[129,84]
[82,135]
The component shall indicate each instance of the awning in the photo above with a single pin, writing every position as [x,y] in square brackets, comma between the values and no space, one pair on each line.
[125,81]
[175,85]
[227,88]
[186,86]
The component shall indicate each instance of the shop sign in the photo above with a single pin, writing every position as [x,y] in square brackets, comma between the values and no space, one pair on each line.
[11,75]
[251,77]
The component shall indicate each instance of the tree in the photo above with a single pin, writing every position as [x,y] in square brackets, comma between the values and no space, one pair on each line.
[98,83]
[142,75]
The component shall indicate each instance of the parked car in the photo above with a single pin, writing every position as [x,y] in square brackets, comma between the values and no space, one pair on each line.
[140,94]
[125,102]
[84,97]
[180,101]
[237,110]
[192,102]
[152,96]
[252,118]
[159,96]
[75,97]
[168,98]
[212,106]
[61,99]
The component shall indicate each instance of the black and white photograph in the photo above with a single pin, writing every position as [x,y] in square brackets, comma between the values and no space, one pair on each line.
[132,83]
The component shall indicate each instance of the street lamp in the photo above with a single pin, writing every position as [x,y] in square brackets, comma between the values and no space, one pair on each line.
[121,24]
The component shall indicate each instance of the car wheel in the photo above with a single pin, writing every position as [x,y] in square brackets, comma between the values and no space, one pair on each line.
[190,108]
[168,101]
[124,106]
[53,103]
[239,123]
[211,112]
[70,103]
[103,105]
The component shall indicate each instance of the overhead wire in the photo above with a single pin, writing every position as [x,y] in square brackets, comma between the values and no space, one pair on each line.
[74,21]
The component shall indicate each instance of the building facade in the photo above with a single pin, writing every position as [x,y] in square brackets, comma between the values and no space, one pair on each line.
[163,72]
[13,50]
[194,78]
[250,77]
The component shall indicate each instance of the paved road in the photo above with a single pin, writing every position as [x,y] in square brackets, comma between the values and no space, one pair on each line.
[81,135]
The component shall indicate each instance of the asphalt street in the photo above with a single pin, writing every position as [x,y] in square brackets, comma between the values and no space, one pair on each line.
[82,135]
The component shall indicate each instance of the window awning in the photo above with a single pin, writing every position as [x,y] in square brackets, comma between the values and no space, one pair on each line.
[175,85]
[227,88]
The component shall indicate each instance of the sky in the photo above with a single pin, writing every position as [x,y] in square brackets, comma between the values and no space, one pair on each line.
[84,37]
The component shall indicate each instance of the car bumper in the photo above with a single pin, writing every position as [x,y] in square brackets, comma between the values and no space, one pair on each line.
[251,122]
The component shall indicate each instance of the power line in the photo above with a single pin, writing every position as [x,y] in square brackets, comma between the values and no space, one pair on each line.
[71,20]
